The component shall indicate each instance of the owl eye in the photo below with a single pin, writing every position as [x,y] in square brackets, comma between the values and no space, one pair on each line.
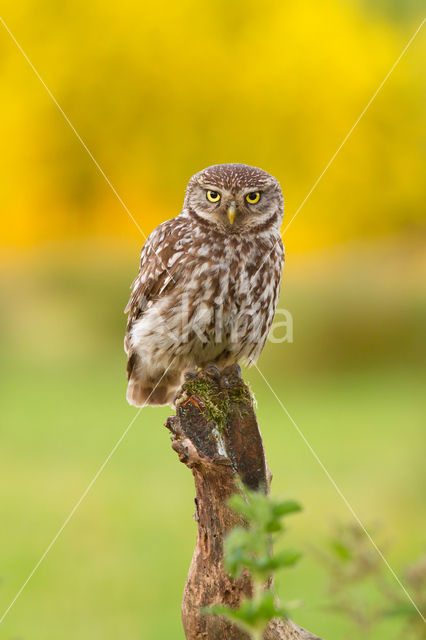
[253,197]
[213,196]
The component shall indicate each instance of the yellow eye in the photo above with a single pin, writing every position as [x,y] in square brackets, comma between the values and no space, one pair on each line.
[253,197]
[213,196]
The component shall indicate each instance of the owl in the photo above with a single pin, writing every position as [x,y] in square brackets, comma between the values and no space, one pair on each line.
[208,282]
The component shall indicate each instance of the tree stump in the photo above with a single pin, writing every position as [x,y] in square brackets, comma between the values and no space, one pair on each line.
[215,433]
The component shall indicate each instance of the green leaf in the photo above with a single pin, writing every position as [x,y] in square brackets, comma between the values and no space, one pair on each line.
[286,558]
[286,507]
[341,550]
[273,526]
[400,609]
[266,564]
[261,511]
[238,504]
[254,614]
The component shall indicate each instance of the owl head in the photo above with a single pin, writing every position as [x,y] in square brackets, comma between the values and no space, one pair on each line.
[235,198]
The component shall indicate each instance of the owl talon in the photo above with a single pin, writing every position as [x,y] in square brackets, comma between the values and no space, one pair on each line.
[233,370]
[212,372]
[189,375]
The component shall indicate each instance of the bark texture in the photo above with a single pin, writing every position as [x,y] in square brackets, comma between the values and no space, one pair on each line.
[215,433]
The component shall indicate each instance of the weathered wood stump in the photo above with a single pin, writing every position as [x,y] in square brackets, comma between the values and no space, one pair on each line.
[215,433]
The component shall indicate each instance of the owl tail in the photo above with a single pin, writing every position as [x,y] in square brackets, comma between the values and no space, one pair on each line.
[141,394]
[158,390]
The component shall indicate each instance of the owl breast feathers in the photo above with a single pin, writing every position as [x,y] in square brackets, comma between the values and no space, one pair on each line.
[208,283]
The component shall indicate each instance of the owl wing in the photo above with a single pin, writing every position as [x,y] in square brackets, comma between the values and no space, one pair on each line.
[161,265]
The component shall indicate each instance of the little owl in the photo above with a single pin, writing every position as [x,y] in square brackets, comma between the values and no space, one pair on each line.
[208,282]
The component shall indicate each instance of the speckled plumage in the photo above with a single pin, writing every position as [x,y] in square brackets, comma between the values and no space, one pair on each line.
[207,290]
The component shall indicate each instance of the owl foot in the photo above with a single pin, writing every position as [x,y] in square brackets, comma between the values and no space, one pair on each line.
[212,372]
[233,370]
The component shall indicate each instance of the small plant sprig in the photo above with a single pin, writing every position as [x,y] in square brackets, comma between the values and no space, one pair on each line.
[250,548]
[358,585]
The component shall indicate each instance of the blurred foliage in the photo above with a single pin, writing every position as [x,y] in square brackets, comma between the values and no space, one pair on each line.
[161,90]
[361,587]
[250,548]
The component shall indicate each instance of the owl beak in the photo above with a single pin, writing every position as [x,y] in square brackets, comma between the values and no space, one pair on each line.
[231,212]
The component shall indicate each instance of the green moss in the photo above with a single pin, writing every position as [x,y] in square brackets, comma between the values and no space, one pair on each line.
[217,402]
[242,393]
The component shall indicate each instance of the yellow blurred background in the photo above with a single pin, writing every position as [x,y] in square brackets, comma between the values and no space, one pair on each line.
[158,91]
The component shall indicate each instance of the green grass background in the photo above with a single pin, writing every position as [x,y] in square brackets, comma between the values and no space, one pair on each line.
[352,381]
